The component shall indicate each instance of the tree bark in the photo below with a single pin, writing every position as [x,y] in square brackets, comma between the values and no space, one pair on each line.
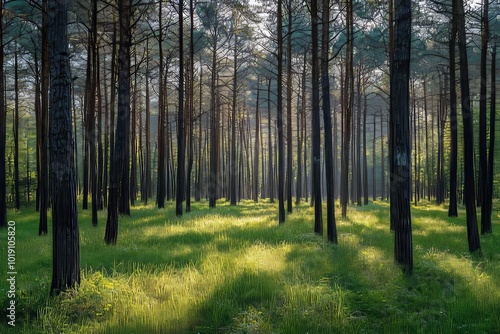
[181,153]
[327,118]
[400,127]
[66,247]
[469,189]
[120,159]
[315,125]
[281,162]
[452,209]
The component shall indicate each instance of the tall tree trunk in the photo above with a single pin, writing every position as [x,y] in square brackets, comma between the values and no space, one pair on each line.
[327,118]
[374,161]
[452,209]
[316,135]
[365,162]
[400,113]
[66,247]
[190,122]
[483,154]
[489,195]
[16,132]
[120,158]
[234,162]
[289,157]
[470,195]
[281,160]
[161,166]
[181,163]
[256,147]
[347,103]
[270,146]
[213,174]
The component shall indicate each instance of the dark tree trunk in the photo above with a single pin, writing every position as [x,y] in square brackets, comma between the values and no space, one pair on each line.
[162,168]
[16,132]
[365,162]
[65,234]
[374,161]
[180,190]
[469,190]
[452,209]
[233,170]
[270,174]
[3,130]
[289,156]
[120,158]
[214,124]
[190,122]
[400,113]
[483,153]
[487,228]
[327,118]
[316,136]
[256,147]
[281,160]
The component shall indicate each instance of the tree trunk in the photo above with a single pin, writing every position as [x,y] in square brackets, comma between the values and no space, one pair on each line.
[483,153]
[119,164]
[470,195]
[181,163]
[270,174]
[452,209]
[489,195]
[400,113]
[43,187]
[347,103]
[256,147]
[281,161]
[289,158]
[66,247]
[16,132]
[327,118]
[316,136]
[161,166]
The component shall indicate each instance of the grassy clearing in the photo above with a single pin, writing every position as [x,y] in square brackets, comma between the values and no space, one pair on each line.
[234,270]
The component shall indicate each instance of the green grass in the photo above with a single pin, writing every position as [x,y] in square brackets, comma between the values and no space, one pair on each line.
[235,270]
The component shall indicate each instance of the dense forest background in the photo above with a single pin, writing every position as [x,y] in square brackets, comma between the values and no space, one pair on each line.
[223,98]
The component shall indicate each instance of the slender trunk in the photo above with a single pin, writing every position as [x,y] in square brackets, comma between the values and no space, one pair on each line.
[256,147]
[270,145]
[399,122]
[120,158]
[347,103]
[470,200]
[327,118]
[452,209]
[16,132]
[315,125]
[489,195]
[233,164]
[289,159]
[483,154]
[281,166]
[180,190]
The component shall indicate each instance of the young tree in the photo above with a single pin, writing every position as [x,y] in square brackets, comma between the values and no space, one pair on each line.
[281,165]
[452,209]
[315,125]
[119,161]
[180,119]
[66,246]
[483,153]
[327,117]
[399,122]
[469,189]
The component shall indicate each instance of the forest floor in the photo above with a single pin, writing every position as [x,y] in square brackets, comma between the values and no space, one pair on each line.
[235,270]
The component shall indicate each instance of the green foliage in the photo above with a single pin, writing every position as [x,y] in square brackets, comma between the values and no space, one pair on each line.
[235,270]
